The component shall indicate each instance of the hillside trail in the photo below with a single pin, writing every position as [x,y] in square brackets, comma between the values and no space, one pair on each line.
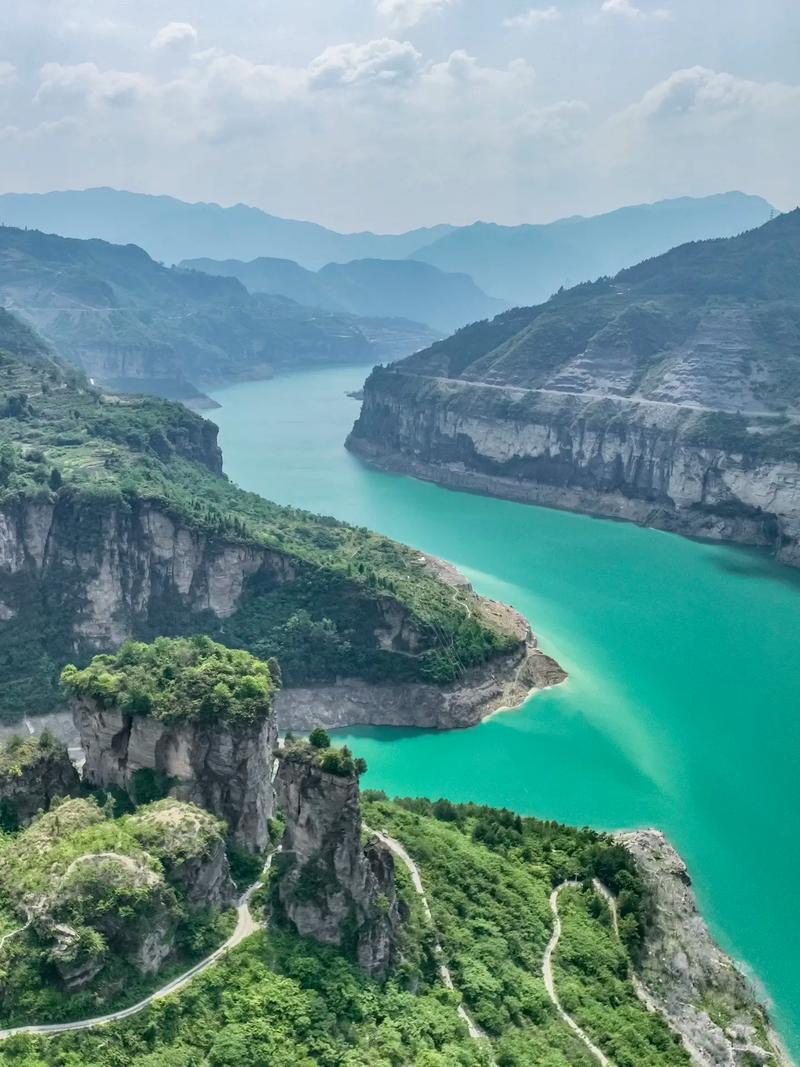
[394,846]
[246,925]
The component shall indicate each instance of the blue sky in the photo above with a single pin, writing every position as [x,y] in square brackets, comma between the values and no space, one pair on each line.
[387,114]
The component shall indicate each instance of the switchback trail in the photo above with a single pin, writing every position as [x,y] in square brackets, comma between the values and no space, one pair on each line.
[245,926]
[394,846]
[549,984]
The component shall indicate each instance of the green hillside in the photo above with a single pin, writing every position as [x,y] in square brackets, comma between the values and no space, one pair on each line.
[96,458]
[133,324]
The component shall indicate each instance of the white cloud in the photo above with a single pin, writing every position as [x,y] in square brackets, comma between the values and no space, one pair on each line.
[404,13]
[175,35]
[8,72]
[627,9]
[532,19]
[383,62]
[65,84]
[698,92]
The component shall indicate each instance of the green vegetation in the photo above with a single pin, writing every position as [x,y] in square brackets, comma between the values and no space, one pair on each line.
[276,1000]
[19,754]
[488,874]
[318,752]
[592,974]
[33,771]
[95,300]
[103,462]
[184,679]
[109,903]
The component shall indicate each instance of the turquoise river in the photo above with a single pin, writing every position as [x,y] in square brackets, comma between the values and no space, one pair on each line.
[682,709]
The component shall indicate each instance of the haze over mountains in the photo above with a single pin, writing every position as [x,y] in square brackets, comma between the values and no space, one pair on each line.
[136,326]
[517,265]
[381,287]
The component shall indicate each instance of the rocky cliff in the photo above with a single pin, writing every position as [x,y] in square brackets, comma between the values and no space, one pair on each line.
[86,580]
[224,768]
[33,772]
[703,995]
[329,885]
[669,395]
[653,463]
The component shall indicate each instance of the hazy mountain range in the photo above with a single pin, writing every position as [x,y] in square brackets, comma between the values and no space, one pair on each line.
[514,264]
[135,325]
[372,287]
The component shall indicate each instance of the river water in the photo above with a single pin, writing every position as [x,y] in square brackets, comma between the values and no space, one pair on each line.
[682,709]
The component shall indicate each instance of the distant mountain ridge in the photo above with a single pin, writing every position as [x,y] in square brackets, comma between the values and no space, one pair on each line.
[171,229]
[407,288]
[516,264]
[134,325]
[527,264]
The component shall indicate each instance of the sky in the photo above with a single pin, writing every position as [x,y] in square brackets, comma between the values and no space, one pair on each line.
[392,114]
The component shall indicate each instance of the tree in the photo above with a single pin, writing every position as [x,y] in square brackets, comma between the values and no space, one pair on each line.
[319,738]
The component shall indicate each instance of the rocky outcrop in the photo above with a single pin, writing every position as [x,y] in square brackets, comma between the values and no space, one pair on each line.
[703,995]
[32,773]
[649,462]
[222,767]
[87,909]
[505,682]
[191,846]
[329,886]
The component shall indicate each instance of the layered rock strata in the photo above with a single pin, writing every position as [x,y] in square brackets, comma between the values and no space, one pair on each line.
[640,460]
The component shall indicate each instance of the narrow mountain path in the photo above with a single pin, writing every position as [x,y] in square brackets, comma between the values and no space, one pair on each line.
[549,983]
[394,846]
[13,933]
[245,926]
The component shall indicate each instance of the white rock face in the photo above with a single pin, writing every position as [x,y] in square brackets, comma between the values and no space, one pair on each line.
[124,561]
[612,456]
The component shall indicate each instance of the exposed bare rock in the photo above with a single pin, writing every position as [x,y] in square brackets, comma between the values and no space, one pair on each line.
[190,844]
[134,571]
[700,990]
[223,767]
[331,887]
[635,459]
[32,773]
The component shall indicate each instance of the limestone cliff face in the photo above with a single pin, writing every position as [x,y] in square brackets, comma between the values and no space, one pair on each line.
[101,576]
[622,458]
[331,887]
[682,969]
[116,570]
[224,769]
[30,780]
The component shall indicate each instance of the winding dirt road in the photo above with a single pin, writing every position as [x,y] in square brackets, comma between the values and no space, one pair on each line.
[549,983]
[245,926]
[394,846]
